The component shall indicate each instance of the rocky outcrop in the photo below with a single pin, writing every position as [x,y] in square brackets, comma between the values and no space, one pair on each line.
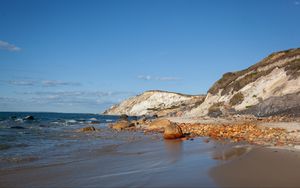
[282,105]
[269,87]
[161,103]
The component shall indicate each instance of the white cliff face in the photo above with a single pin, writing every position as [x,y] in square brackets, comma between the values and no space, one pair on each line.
[276,76]
[153,102]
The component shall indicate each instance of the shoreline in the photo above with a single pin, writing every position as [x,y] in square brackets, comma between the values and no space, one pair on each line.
[139,157]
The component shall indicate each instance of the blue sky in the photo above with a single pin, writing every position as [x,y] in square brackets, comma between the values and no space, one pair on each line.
[83,56]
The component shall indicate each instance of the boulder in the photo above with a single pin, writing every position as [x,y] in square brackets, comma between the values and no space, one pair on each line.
[29,118]
[17,127]
[122,124]
[87,129]
[173,131]
[13,117]
[159,124]
[123,117]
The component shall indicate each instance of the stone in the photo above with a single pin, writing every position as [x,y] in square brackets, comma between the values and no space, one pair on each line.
[123,117]
[159,124]
[17,127]
[173,131]
[121,125]
[87,129]
[29,118]
[13,117]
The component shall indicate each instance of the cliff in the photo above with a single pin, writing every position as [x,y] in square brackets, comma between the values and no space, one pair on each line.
[270,87]
[161,103]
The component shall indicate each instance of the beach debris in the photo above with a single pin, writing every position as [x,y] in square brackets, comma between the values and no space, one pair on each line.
[29,118]
[172,131]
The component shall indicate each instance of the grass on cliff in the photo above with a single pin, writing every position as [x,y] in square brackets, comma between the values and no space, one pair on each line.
[236,99]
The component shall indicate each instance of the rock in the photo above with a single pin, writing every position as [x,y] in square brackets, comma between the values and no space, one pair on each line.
[29,118]
[159,124]
[13,117]
[135,122]
[173,131]
[123,117]
[17,127]
[123,124]
[87,129]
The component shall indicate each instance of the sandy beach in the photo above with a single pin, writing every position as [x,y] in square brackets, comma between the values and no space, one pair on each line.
[261,167]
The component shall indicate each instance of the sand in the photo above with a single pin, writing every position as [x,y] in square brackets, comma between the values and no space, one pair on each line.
[143,163]
[261,167]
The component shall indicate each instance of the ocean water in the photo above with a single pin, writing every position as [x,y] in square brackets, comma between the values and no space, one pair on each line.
[48,137]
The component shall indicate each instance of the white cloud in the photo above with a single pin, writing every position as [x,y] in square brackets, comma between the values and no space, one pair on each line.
[83,99]
[53,83]
[41,83]
[21,82]
[157,78]
[9,47]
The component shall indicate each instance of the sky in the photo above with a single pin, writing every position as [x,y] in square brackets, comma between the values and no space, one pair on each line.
[84,56]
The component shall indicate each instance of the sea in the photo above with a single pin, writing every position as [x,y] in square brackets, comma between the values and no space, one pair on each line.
[46,136]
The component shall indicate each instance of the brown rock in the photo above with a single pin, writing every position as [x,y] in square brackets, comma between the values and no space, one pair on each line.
[172,132]
[123,124]
[159,124]
[87,129]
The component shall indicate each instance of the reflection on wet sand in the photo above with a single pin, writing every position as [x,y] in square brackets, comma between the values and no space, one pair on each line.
[261,167]
[230,152]
[174,150]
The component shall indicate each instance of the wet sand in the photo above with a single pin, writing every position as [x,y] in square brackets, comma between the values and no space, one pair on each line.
[145,163]
[261,167]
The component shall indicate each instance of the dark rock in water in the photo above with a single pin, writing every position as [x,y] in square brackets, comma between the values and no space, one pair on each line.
[29,118]
[173,131]
[17,127]
[13,117]
[123,117]
[4,146]
[43,126]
